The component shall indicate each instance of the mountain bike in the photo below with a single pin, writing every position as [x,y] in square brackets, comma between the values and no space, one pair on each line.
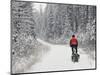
[75,56]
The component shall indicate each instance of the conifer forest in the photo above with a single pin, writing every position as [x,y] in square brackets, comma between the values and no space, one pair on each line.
[40,35]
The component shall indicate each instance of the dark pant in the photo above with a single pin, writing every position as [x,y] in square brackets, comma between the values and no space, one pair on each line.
[74,49]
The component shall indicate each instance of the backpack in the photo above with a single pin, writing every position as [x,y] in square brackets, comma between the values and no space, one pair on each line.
[73,41]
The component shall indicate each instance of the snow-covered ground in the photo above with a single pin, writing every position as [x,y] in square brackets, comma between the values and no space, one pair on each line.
[59,58]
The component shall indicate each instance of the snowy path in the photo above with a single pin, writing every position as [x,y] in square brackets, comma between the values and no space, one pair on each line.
[59,58]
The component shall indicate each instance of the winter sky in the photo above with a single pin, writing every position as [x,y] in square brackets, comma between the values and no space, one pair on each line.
[38,6]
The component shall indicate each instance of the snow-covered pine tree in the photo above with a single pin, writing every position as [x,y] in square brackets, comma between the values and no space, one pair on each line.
[22,17]
[23,34]
[49,25]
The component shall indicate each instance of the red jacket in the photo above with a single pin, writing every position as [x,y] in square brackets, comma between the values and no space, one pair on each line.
[73,41]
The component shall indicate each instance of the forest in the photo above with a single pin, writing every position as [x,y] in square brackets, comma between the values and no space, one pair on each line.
[55,23]
[61,21]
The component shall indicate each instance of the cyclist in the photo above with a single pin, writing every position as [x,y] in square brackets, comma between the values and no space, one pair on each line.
[74,43]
